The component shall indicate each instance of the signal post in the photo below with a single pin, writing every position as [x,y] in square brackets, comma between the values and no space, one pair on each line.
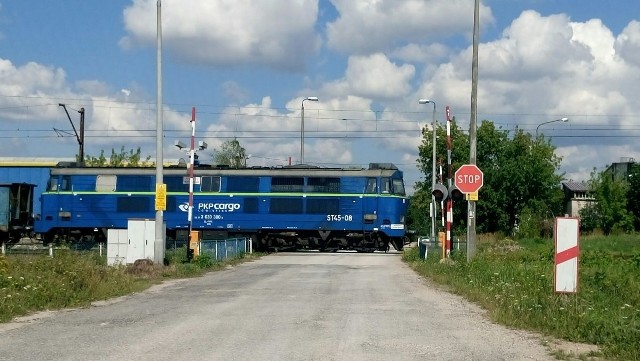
[452,194]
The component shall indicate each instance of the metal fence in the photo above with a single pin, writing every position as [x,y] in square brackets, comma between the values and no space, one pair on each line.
[224,249]
[37,248]
[218,249]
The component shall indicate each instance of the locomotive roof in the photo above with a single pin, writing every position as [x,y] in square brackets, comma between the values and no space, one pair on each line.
[374,170]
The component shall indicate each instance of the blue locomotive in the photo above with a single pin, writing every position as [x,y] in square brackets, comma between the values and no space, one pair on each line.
[281,208]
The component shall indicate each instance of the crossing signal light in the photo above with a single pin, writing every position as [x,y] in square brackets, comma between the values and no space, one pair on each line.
[439,192]
[455,194]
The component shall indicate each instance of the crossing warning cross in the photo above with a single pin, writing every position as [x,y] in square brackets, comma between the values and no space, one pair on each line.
[469,178]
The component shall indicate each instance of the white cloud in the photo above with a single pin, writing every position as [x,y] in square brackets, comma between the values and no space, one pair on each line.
[561,68]
[32,94]
[373,76]
[29,78]
[275,33]
[627,44]
[235,92]
[368,26]
[418,53]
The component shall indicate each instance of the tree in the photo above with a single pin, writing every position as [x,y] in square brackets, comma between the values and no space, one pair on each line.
[231,153]
[611,202]
[121,159]
[418,212]
[633,194]
[520,175]
[589,218]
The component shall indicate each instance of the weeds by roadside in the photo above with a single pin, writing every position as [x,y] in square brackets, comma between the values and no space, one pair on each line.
[30,283]
[513,281]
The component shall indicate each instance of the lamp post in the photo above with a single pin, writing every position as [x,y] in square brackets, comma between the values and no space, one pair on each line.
[311,99]
[433,168]
[564,120]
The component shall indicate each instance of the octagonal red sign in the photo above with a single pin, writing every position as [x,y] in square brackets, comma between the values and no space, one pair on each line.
[469,178]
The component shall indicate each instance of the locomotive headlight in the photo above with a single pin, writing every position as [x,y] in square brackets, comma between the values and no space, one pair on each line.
[402,219]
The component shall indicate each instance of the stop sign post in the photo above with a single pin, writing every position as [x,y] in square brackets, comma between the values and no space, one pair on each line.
[469,178]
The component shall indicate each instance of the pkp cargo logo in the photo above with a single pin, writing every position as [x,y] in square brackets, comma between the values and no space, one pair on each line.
[211,207]
[184,207]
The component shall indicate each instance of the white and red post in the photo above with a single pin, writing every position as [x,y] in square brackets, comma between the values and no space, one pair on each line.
[441,179]
[450,175]
[565,271]
[192,155]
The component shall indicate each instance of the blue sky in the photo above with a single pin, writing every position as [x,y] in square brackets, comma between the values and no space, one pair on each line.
[247,65]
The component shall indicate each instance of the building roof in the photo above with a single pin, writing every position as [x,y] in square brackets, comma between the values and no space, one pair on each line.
[577,186]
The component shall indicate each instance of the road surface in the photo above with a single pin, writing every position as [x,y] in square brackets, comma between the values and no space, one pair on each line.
[285,306]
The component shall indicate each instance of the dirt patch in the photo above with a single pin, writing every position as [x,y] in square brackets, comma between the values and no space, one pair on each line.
[565,350]
[144,268]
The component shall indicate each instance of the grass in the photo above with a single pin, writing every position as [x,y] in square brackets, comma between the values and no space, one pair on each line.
[30,283]
[513,281]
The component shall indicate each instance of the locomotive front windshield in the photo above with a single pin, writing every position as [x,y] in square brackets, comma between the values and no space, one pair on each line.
[393,186]
[398,187]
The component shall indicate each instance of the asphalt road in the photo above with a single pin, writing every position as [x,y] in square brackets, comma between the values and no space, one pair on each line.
[286,306]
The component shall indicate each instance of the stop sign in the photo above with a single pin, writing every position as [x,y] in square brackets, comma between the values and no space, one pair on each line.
[469,178]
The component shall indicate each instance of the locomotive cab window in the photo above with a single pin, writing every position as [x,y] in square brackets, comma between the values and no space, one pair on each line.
[372,186]
[53,184]
[385,185]
[63,184]
[398,187]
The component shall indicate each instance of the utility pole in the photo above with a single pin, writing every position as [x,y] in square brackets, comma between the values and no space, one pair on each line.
[471,213]
[159,242]
[79,137]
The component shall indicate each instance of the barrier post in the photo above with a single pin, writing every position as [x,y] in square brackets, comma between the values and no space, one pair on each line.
[4,250]
[51,250]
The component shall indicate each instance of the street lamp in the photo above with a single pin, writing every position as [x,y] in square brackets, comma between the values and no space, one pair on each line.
[433,168]
[312,99]
[564,120]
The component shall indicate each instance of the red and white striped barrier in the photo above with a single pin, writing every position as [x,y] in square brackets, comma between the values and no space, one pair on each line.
[565,272]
